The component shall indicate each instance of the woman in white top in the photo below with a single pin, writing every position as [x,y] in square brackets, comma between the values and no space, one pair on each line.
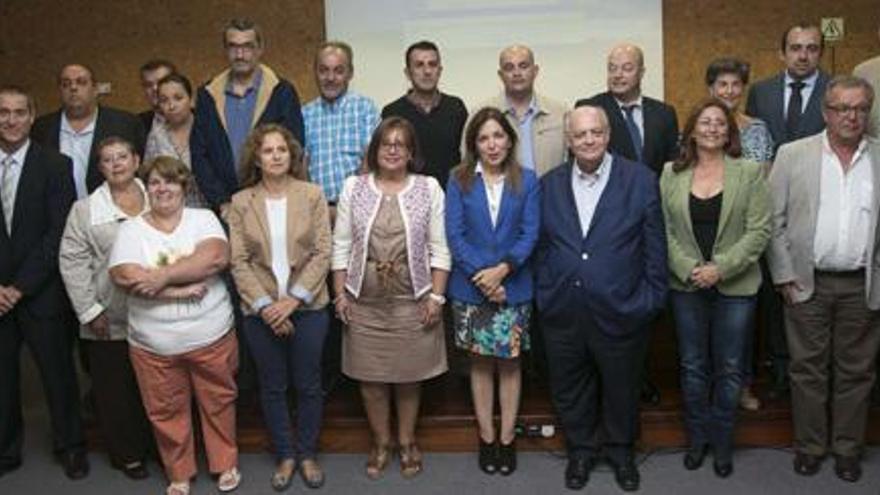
[101,308]
[279,231]
[170,137]
[180,325]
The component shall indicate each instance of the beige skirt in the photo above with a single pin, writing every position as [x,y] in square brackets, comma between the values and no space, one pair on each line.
[386,342]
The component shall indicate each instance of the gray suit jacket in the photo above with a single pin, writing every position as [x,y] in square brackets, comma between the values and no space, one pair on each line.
[794,186]
[766,101]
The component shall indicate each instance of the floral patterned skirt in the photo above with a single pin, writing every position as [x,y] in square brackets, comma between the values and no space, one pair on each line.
[491,330]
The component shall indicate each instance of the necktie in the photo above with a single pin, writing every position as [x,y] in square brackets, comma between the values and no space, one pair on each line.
[633,129]
[7,192]
[793,116]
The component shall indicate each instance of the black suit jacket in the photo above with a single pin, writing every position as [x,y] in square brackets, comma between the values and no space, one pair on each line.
[29,255]
[111,122]
[766,101]
[660,130]
[146,118]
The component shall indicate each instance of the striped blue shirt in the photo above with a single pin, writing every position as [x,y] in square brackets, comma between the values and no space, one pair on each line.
[337,136]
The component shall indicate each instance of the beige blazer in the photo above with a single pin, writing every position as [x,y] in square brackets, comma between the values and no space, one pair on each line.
[870,71]
[308,245]
[794,187]
[548,130]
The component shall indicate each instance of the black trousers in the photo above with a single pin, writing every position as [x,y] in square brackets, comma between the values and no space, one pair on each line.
[123,422]
[594,379]
[50,340]
[773,324]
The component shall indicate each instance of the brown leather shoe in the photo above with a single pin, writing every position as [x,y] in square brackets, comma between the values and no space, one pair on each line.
[806,464]
[848,468]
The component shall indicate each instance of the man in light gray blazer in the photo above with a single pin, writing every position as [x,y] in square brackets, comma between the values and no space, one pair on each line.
[823,257]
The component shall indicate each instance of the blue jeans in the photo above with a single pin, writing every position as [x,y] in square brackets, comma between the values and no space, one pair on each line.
[712,331]
[296,360]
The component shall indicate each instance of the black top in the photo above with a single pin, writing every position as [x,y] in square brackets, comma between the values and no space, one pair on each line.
[704,218]
[439,132]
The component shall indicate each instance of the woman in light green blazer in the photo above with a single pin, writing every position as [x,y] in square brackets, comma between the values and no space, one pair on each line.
[717,213]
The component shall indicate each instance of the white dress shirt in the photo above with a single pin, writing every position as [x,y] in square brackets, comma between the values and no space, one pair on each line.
[78,146]
[493,194]
[844,217]
[588,190]
[18,157]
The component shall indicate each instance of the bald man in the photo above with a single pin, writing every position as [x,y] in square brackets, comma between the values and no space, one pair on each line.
[538,120]
[81,124]
[642,129]
[602,278]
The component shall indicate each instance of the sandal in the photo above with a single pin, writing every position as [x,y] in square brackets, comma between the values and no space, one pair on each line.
[229,480]
[410,460]
[177,488]
[283,475]
[312,474]
[380,457]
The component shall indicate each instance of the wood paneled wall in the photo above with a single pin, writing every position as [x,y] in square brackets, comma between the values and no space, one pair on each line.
[38,36]
[697,31]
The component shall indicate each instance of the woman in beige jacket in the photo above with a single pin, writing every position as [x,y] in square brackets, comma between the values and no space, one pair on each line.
[279,233]
[101,307]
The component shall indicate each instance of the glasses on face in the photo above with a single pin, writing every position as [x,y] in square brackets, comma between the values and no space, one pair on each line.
[243,47]
[393,145]
[859,111]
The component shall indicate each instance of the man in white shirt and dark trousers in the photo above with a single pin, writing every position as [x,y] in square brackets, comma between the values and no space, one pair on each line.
[826,195]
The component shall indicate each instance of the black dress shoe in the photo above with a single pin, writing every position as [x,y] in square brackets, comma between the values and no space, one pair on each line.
[694,457]
[507,458]
[626,475]
[722,469]
[488,457]
[848,468]
[577,473]
[8,467]
[76,464]
[806,464]
[133,470]
[649,393]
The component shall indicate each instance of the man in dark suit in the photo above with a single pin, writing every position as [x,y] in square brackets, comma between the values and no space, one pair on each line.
[791,105]
[151,73]
[802,82]
[642,129]
[79,126]
[601,278]
[36,192]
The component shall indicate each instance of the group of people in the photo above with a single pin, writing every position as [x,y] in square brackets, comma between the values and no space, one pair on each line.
[233,216]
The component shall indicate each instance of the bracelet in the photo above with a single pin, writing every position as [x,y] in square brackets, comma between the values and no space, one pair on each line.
[437,298]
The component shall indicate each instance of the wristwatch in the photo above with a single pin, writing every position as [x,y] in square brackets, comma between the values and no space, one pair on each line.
[437,298]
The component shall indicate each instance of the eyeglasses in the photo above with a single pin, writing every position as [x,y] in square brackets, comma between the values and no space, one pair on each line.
[860,110]
[390,145]
[244,47]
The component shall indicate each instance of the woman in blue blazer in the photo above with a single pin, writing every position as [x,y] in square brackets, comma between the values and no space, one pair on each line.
[492,221]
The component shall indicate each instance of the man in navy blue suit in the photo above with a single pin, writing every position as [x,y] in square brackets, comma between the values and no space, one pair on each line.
[601,277]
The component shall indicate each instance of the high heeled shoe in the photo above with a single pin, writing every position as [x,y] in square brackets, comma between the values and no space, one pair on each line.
[380,456]
[410,460]
[488,457]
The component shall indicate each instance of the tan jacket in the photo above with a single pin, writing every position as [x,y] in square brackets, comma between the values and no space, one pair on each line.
[870,71]
[548,130]
[308,245]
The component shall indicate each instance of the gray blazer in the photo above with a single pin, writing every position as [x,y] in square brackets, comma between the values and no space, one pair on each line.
[794,186]
[766,100]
